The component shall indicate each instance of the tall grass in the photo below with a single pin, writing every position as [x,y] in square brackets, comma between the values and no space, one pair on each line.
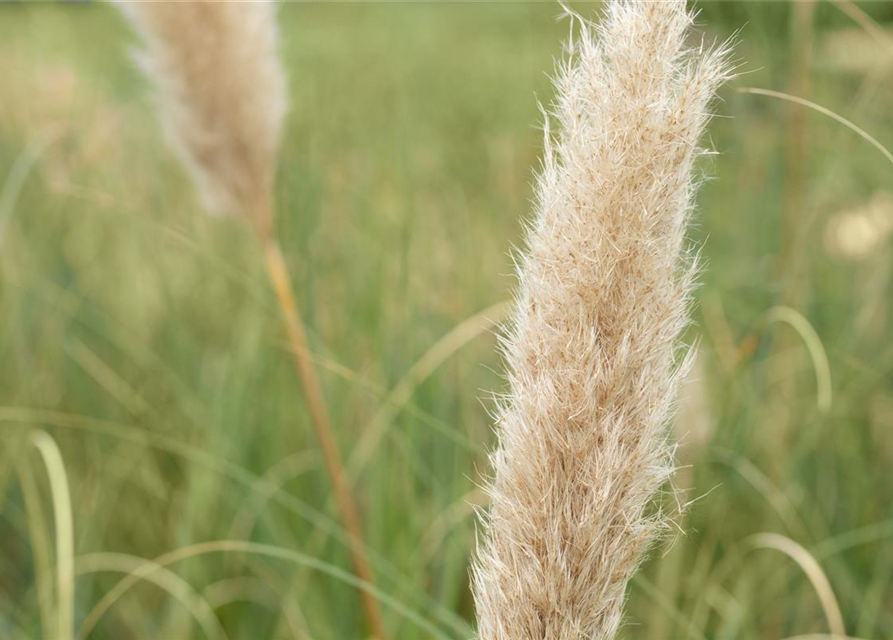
[128,322]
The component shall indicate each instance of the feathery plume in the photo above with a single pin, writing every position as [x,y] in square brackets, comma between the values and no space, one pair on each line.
[593,352]
[221,96]
[220,93]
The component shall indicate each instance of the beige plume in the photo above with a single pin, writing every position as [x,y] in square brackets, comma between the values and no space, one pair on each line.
[593,353]
[221,95]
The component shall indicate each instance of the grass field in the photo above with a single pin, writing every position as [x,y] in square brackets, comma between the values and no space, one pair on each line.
[139,334]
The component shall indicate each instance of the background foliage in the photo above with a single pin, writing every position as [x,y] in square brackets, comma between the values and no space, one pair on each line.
[140,334]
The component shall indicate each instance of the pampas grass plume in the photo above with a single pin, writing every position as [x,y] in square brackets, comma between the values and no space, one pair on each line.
[221,95]
[593,352]
[221,98]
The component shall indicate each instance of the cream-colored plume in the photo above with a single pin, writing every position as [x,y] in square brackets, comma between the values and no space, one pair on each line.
[593,354]
[221,94]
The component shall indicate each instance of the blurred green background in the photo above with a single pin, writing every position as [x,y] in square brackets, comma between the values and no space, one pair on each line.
[140,334]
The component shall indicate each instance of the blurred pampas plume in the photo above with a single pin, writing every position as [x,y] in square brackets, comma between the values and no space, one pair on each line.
[593,352]
[220,95]
[221,98]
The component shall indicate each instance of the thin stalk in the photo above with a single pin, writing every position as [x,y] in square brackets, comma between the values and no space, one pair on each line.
[802,35]
[795,216]
[319,420]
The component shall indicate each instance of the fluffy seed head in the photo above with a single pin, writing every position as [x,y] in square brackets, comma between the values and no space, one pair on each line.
[593,352]
[221,94]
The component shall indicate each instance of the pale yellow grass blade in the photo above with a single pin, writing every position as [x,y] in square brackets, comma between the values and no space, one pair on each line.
[250,589]
[823,110]
[813,571]
[107,378]
[770,492]
[61,496]
[253,548]
[39,539]
[440,351]
[823,636]
[11,417]
[854,538]
[20,172]
[801,325]
[270,482]
[448,519]
[164,578]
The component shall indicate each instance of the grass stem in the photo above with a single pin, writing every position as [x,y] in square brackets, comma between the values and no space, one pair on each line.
[319,420]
